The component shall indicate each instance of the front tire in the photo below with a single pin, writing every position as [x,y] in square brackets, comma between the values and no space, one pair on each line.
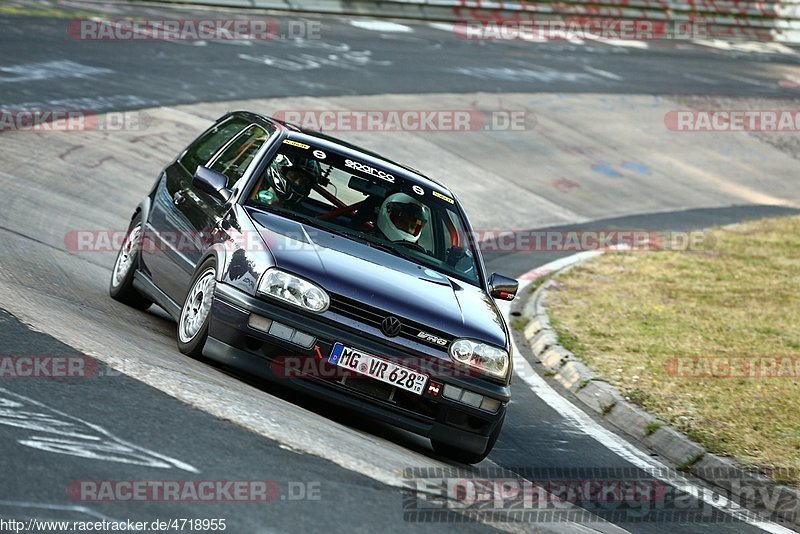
[121,286]
[196,310]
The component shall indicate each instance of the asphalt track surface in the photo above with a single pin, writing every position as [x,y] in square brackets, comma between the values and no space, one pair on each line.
[169,418]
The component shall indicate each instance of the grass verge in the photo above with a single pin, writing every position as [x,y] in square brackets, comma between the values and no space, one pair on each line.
[707,341]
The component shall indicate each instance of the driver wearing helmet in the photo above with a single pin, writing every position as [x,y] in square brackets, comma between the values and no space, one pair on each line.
[295,186]
[285,184]
[402,218]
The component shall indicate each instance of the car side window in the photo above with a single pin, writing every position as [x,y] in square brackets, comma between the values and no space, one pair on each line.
[204,148]
[233,162]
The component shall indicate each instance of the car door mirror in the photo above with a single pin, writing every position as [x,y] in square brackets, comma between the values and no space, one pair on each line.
[212,182]
[502,287]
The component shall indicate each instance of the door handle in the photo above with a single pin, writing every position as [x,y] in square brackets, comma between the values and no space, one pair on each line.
[178,198]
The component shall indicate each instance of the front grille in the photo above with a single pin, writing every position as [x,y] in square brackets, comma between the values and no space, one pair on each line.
[373,388]
[390,394]
[373,317]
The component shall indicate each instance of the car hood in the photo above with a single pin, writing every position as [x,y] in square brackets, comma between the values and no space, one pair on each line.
[381,280]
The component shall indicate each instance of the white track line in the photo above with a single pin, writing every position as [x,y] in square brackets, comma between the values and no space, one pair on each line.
[746,46]
[603,73]
[100,430]
[444,26]
[617,42]
[699,78]
[59,508]
[381,26]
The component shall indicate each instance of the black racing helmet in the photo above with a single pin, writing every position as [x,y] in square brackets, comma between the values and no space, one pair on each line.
[292,182]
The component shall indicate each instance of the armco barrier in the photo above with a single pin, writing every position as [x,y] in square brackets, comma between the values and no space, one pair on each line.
[727,19]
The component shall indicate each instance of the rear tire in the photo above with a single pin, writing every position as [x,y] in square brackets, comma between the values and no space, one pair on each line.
[121,285]
[464,456]
[196,310]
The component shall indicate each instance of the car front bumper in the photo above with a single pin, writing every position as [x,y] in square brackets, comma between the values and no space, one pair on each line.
[234,342]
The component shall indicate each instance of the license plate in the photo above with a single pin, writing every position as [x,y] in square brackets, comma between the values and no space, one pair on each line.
[378,368]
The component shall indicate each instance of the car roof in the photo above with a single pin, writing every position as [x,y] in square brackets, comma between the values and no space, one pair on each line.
[319,139]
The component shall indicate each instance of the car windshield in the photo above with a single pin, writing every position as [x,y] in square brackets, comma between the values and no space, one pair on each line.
[367,204]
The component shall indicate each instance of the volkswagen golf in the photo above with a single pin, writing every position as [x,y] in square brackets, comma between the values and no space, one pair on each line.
[291,255]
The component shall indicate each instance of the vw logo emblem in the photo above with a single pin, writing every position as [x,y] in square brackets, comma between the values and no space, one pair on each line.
[391,326]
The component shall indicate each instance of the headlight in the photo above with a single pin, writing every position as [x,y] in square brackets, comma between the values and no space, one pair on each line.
[490,360]
[294,290]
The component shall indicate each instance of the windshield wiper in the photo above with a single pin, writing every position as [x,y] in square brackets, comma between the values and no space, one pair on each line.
[375,243]
[361,238]
[313,221]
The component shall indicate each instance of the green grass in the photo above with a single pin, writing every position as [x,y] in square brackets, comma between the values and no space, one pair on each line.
[519,323]
[651,427]
[536,283]
[632,316]
[565,337]
[685,466]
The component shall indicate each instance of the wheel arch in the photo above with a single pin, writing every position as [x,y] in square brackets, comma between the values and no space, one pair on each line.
[144,209]
[220,256]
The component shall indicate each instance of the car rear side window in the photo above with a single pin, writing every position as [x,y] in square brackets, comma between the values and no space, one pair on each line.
[204,148]
[235,159]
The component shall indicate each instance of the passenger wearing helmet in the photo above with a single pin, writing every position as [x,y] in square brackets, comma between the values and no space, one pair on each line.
[402,218]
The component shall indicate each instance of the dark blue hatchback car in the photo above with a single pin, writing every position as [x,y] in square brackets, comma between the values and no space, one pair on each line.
[298,257]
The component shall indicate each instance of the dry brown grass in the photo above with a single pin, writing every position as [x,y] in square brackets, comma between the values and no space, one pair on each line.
[628,315]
